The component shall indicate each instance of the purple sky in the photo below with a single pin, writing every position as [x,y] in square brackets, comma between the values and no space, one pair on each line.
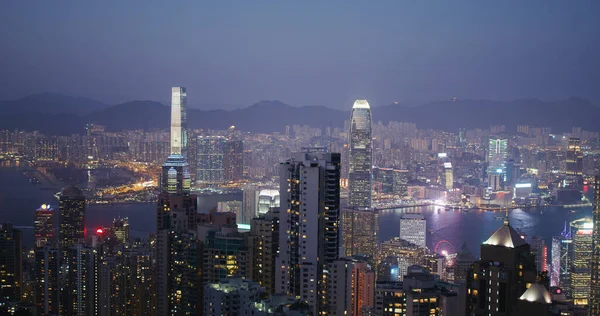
[301,52]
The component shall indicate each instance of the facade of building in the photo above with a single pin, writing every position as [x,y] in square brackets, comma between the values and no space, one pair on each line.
[350,287]
[263,246]
[71,221]
[11,263]
[360,233]
[496,157]
[231,296]
[413,228]
[211,160]
[44,226]
[309,225]
[360,156]
[594,302]
[120,228]
[582,236]
[234,160]
[46,281]
[179,133]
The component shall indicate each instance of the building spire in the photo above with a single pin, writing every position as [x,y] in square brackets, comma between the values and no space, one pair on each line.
[506,216]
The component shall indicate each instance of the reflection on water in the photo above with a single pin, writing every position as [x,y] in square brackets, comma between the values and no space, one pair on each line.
[19,199]
[475,227]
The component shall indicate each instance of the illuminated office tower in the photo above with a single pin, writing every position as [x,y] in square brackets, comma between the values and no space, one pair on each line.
[120,229]
[595,264]
[11,263]
[309,235]
[46,276]
[574,157]
[44,226]
[176,268]
[496,157]
[71,219]
[360,233]
[179,136]
[360,156]
[561,261]
[448,176]
[582,230]
[413,228]
[501,276]
[234,160]
[211,160]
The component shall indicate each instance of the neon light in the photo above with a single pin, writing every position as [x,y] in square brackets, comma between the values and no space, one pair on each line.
[523,185]
[99,231]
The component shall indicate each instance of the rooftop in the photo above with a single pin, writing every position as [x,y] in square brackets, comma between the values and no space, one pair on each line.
[71,191]
[537,293]
[361,104]
[506,236]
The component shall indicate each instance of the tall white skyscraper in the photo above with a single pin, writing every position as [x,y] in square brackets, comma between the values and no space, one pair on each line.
[178,121]
[309,235]
[360,156]
[413,228]
[497,155]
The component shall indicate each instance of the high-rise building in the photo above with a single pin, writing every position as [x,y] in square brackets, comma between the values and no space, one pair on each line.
[179,133]
[496,157]
[211,159]
[176,252]
[360,156]
[231,296]
[234,160]
[309,222]
[390,299]
[501,276]
[562,249]
[46,276]
[448,176]
[71,219]
[360,233]
[80,295]
[582,236]
[44,226]
[413,228]
[391,181]
[594,302]
[574,157]
[11,263]
[350,287]
[267,199]
[120,229]
[540,251]
[264,245]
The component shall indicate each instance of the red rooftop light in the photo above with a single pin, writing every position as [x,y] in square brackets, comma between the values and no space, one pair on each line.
[99,231]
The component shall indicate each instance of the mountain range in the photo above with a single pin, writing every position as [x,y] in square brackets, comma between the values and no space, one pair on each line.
[56,114]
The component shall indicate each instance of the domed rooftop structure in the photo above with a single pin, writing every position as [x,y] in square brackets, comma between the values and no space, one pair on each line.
[71,191]
[361,104]
[537,293]
[506,236]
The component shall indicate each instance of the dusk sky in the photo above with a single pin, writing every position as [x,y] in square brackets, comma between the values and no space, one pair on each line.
[234,53]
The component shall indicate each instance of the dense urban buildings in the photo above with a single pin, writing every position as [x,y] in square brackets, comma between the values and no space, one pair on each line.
[594,301]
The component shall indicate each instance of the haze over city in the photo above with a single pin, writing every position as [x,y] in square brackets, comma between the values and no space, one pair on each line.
[232,54]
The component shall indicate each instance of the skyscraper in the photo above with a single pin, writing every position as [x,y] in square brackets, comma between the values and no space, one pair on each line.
[234,160]
[211,159]
[46,281]
[44,226]
[574,157]
[497,154]
[309,225]
[71,220]
[360,156]
[501,276]
[120,229]
[178,121]
[11,263]
[582,257]
[360,233]
[595,264]
[413,228]
[176,268]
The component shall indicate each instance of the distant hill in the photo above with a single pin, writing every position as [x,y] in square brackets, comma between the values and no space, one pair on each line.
[63,115]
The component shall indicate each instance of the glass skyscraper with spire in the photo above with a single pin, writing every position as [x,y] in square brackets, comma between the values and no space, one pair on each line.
[360,156]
